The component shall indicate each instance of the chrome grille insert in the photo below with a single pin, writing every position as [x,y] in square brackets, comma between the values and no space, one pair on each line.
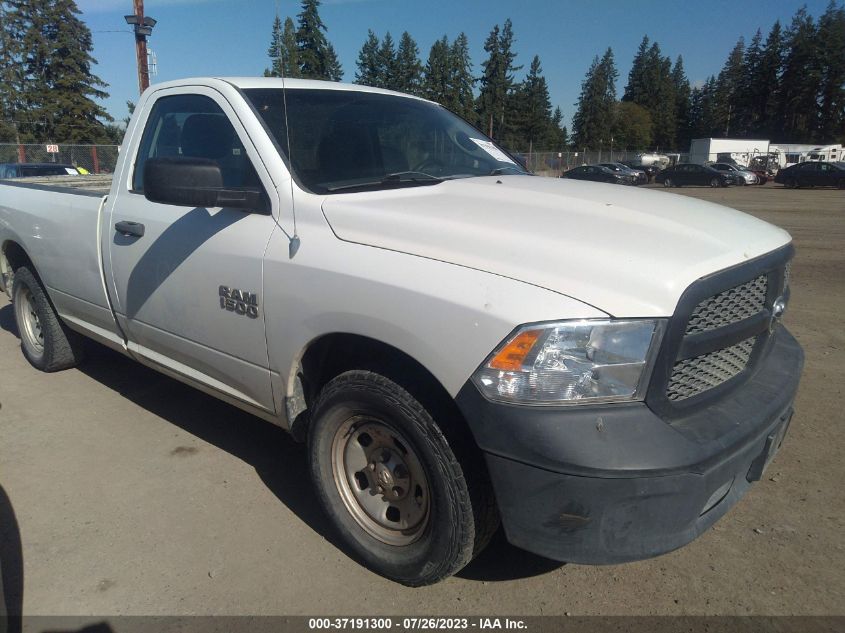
[693,376]
[730,306]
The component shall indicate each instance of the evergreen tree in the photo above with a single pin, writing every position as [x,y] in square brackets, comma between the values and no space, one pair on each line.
[11,79]
[282,51]
[290,53]
[593,120]
[831,35]
[798,109]
[334,71]
[408,66]
[387,64]
[317,59]
[368,62]
[437,72]
[497,79]
[274,52]
[704,122]
[637,89]
[728,92]
[560,137]
[461,99]
[534,126]
[58,89]
[651,85]
[681,89]
[748,106]
[766,90]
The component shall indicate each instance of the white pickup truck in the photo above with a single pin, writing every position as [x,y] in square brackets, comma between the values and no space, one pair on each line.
[461,343]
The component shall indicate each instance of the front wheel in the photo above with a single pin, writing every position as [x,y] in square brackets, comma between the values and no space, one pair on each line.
[391,484]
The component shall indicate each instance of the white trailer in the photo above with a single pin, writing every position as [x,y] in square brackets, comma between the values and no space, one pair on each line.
[723,150]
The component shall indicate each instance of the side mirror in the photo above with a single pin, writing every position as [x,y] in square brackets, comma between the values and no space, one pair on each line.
[195,182]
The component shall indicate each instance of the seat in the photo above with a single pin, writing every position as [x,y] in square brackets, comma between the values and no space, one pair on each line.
[347,153]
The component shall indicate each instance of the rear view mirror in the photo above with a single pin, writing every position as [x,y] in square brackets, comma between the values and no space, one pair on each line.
[195,182]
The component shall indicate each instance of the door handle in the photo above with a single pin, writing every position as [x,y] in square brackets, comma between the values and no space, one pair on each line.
[129,228]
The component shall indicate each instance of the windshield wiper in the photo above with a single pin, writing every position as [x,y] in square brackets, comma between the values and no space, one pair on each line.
[501,170]
[410,175]
[400,177]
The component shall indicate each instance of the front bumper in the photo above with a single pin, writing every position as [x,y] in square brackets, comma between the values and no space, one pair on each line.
[616,483]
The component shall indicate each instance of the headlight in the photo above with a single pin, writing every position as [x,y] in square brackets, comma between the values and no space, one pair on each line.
[573,361]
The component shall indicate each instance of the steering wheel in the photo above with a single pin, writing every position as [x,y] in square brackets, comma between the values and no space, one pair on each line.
[429,165]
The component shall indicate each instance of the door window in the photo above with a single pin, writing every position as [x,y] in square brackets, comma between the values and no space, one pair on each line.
[194,126]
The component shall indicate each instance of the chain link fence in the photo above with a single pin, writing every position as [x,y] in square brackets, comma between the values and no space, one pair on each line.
[101,159]
[555,163]
[96,159]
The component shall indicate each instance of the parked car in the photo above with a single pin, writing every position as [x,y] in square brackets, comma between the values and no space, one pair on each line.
[692,174]
[639,175]
[597,173]
[741,176]
[812,174]
[24,170]
[651,170]
[458,342]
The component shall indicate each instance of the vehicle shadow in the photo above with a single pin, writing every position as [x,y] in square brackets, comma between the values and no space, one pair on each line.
[502,561]
[278,460]
[7,319]
[11,568]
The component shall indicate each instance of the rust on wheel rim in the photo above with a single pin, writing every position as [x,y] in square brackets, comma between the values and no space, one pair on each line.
[381,480]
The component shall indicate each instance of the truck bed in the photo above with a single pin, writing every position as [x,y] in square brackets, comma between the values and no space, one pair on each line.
[94,185]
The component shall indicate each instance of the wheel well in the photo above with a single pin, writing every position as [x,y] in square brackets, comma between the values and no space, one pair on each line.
[12,257]
[333,354]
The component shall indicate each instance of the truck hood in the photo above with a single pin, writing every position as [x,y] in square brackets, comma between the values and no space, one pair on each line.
[628,252]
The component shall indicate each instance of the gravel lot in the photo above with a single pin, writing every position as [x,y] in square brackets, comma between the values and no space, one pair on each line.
[134,494]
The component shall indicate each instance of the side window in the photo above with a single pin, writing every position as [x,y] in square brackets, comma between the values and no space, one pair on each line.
[193,126]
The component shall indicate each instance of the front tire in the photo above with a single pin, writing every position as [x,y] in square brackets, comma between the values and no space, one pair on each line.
[46,342]
[391,484]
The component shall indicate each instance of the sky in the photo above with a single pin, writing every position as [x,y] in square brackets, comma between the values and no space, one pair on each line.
[231,37]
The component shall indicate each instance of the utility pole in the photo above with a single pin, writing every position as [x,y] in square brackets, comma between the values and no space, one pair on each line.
[143,27]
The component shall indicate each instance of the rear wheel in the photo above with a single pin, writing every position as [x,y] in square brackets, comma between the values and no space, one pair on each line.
[841,183]
[390,482]
[715,182]
[791,183]
[668,183]
[45,341]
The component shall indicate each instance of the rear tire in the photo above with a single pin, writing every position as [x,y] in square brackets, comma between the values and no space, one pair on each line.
[791,183]
[668,183]
[715,182]
[391,484]
[46,342]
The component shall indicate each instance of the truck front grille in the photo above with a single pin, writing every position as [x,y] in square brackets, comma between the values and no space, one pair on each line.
[718,333]
[730,306]
[693,376]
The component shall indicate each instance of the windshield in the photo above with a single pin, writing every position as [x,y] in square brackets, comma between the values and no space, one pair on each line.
[345,140]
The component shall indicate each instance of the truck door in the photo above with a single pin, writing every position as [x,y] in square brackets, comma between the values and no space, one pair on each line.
[188,281]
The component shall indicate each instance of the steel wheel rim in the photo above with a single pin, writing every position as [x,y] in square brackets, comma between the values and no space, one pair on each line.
[381,480]
[32,333]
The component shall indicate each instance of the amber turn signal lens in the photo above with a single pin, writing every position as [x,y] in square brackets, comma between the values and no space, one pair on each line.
[514,353]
